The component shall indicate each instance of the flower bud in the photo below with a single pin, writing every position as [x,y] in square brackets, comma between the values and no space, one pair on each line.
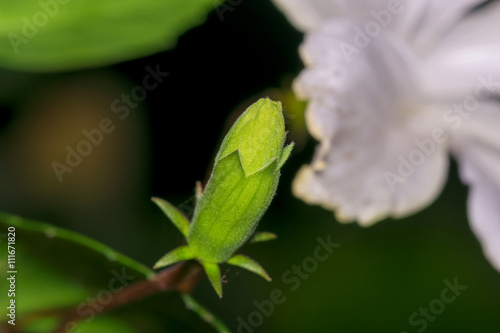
[243,182]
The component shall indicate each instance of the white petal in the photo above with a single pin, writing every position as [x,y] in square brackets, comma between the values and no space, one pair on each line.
[307,15]
[469,52]
[385,67]
[321,122]
[366,114]
[476,143]
[479,126]
[351,175]
[484,198]
[423,23]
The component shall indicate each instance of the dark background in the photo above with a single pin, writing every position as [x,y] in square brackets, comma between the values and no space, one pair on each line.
[376,279]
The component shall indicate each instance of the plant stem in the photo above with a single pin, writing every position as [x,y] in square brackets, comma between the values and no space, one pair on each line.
[182,277]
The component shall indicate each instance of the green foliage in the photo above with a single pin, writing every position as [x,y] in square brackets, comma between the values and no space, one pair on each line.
[102,324]
[69,34]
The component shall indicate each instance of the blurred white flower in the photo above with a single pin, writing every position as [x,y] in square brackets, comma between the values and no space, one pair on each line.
[393,88]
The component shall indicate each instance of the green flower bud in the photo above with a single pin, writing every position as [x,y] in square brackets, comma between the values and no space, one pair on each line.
[240,189]
[242,184]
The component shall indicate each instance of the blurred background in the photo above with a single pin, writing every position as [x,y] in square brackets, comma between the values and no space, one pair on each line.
[163,144]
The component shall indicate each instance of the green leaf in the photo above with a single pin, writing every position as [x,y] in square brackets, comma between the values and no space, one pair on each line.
[176,255]
[263,236]
[206,315]
[174,214]
[248,264]
[230,208]
[52,35]
[213,274]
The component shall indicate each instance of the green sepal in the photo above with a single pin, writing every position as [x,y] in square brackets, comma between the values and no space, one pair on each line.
[285,154]
[248,264]
[176,255]
[178,219]
[229,209]
[213,273]
[257,134]
[263,236]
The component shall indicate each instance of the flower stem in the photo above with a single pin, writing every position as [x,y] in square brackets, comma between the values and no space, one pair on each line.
[182,277]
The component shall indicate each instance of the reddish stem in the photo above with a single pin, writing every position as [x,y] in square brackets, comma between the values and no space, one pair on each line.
[182,277]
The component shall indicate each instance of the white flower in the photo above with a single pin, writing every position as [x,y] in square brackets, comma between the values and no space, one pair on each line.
[393,88]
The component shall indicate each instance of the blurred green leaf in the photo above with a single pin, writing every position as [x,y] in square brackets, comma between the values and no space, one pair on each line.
[50,35]
[100,324]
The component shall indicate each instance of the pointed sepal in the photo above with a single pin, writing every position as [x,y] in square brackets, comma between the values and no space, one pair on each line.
[262,236]
[213,273]
[248,264]
[285,154]
[176,255]
[174,214]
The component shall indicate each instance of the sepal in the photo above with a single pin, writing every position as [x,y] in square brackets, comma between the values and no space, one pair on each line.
[179,254]
[249,264]
[178,219]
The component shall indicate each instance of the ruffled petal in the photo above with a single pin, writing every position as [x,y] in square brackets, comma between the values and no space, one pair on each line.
[370,171]
[367,115]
